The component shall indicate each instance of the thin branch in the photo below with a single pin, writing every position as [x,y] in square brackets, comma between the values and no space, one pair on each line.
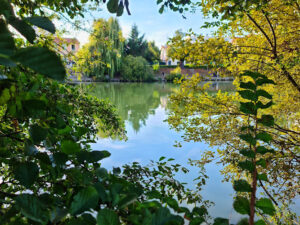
[273,32]
[266,191]
[260,28]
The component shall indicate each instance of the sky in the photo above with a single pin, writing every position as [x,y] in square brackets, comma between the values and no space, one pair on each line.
[144,13]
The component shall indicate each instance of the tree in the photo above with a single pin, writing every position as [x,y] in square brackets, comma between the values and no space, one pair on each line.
[179,46]
[152,53]
[102,55]
[263,35]
[136,69]
[49,173]
[135,44]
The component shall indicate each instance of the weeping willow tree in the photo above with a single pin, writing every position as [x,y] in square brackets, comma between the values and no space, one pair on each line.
[102,55]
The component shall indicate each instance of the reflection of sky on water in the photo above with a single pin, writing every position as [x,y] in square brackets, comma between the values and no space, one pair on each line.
[155,140]
[142,106]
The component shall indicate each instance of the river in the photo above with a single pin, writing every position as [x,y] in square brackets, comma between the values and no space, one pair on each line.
[143,107]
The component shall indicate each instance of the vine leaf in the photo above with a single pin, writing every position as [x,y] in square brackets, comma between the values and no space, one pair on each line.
[242,186]
[241,205]
[42,22]
[26,173]
[32,208]
[86,199]
[107,217]
[42,61]
[266,206]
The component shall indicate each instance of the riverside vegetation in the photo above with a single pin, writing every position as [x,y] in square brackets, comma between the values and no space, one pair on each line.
[50,174]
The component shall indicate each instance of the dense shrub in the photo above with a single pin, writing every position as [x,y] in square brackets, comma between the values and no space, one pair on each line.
[174,74]
[136,69]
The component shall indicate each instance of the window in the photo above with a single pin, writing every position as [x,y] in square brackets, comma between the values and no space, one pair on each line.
[73,47]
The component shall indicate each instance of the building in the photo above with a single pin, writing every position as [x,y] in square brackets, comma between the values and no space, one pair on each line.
[164,57]
[67,47]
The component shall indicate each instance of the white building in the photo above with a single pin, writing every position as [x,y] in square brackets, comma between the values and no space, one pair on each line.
[164,56]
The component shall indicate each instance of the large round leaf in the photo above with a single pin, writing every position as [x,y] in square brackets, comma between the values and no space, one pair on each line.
[41,60]
[26,173]
[107,217]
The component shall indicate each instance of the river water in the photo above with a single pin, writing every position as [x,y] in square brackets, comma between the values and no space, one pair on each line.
[143,107]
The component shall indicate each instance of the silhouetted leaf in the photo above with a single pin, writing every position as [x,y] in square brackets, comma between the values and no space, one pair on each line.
[26,173]
[248,85]
[107,217]
[263,93]
[69,147]
[242,186]
[42,22]
[266,206]
[221,221]
[86,199]
[32,208]
[267,120]
[241,205]
[42,61]
[37,133]
[112,6]
[264,137]
[248,108]
[246,165]
[24,28]
[262,177]
[250,95]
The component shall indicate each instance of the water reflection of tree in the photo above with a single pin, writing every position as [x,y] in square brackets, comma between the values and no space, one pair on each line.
[133,101]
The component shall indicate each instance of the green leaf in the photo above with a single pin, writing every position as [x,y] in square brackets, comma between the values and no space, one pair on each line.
[262,163]
[70,147]
[101,172]
[161,9]
[60,158]
[248,138]
[265,80]
[242,186]
[128,199]
[248,153]
[263,136]
[267,120]
[246,165]
[112,6]
[32,208]
[163,216]
[161,158]
[93,156]
[262,177]
[116,170]
[107,217]
[7,44]
[24,28]
[172,203]
[120,9]
[250,95]
[263,150]
[266,206]
[42,61]
[244,221]
[42,22]
[86,199]
[248,85]
[263,93]
[200,211]
[252,74]
[248,108]
[260,222]
[241,205]
[37,133]
[26,173]
[197,221]
[221,221]
[260,105]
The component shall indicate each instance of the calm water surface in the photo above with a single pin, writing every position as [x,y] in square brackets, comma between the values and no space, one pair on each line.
[143,107]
